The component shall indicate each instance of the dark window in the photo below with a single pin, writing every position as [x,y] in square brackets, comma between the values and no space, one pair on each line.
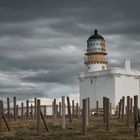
[103,67]
[91,81]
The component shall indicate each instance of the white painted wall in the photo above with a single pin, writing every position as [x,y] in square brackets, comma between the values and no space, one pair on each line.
[126,86]
[95,67]
[100,86]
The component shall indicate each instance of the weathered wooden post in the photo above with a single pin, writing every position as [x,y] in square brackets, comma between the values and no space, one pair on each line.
[17,110]
[38,116]
[107,113]
[44,110]
[54,109]
[63,112]
[27,109]
[88,105]
[35,107]
[120,107]
[84,115]
[1,110]
[104,108]
[110,109]
[2,116]
[97,108]
[43,119]
[77,110]
[31,111]
[123,106]
[14,108]
[128,111]
[87,112]
[22,116]
[135,115]
[8,108]
[73,112]
[69,109]
[131,106]
[59,109]
[116,113]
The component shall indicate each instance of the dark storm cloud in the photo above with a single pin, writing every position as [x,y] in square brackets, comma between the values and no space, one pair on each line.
[110,16]
[42,42]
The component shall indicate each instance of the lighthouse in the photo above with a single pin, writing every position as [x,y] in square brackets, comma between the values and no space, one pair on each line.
[99,81]
[95,57]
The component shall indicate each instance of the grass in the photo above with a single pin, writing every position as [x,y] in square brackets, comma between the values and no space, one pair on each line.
[26,130]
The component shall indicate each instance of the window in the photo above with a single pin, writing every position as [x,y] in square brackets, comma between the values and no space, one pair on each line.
[103,67]
[91,81]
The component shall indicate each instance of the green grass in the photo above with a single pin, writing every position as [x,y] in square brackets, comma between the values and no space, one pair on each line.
[26,130]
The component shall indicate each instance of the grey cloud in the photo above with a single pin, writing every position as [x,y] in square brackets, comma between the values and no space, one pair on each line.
[64,75]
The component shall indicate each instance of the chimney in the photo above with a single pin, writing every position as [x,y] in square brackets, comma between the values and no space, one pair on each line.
[127,64]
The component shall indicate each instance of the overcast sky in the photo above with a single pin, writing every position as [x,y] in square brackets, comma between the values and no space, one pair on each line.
[42,42]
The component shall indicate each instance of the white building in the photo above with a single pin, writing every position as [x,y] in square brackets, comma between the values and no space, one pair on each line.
[98,81]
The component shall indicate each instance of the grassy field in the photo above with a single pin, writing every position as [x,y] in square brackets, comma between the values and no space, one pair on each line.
[26,130]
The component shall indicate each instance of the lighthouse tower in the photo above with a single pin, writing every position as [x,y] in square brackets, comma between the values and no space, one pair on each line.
[95,57]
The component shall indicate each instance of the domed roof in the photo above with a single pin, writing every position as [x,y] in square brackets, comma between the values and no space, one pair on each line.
[95,36]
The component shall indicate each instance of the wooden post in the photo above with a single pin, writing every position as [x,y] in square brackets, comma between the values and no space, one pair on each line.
[123,106]
[5,121]
[97,108]
[44,110]
[128,111]
[35,108]
[110,109]
[38,116]
[73,113]
[44,121]
[8,108]
[116,113]
[27,109]
[88,105]
[69,109]
[120,106]
[1,110]
[87,112]
[59,109]
[104,109]
[17,110]
[107,113]
[135,115]
[31,111]
[77,110]
[84,115]
[2,116]
[14,111]
[22,116]
[54,109]
[131,106]
[63,112]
